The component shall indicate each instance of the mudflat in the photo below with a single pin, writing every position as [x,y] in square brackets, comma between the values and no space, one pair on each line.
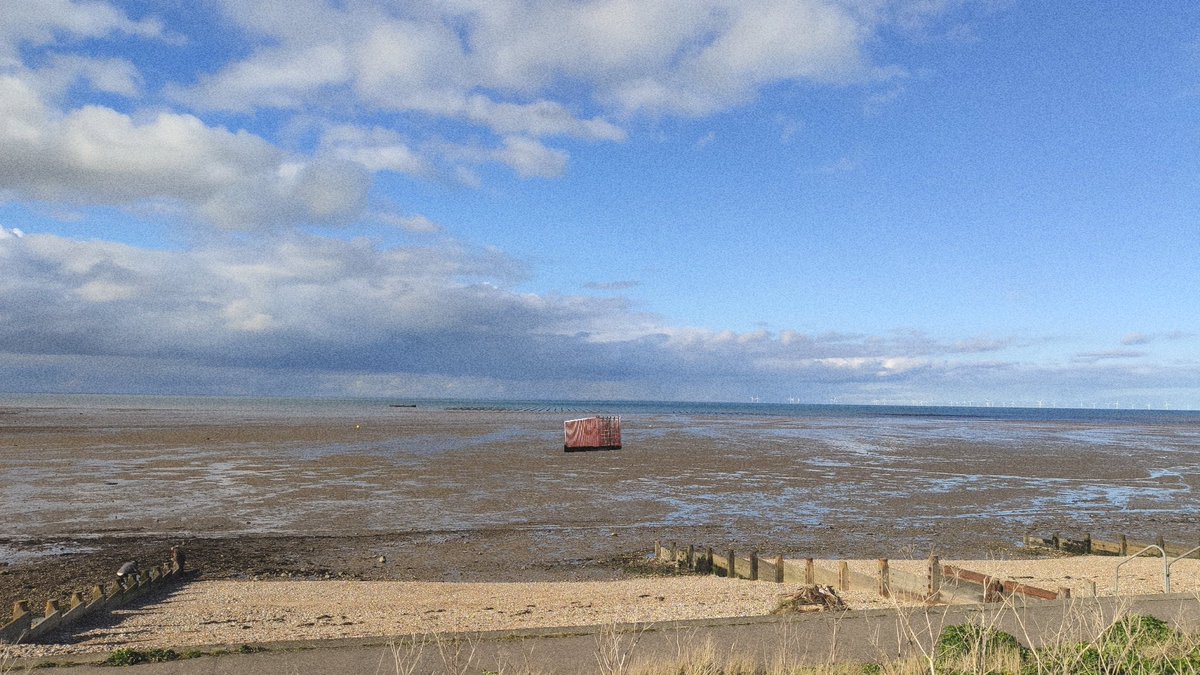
[419,494]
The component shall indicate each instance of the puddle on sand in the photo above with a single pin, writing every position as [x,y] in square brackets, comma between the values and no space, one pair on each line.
[11,555]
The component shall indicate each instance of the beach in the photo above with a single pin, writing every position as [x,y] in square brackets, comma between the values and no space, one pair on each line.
[485,495]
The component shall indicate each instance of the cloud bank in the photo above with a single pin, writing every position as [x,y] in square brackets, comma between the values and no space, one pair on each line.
[307,315]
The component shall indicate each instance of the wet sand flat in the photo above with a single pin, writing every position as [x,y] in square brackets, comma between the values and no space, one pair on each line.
[317,493]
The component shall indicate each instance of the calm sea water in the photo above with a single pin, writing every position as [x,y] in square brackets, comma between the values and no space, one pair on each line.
[359,406]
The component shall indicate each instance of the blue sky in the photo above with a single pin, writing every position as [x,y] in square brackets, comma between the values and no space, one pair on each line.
[860,201]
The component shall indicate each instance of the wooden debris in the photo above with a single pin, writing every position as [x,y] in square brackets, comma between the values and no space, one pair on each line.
[815,598]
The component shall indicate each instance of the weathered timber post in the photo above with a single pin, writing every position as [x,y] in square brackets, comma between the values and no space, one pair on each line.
[754,566]
[691,557]
[712,569]
[779,569]
[673,558]
[51,607]
[657,550]
[731,566]
[810,573]
[76,600]
[1087,543]
[885,579]
[178,559]
[843,576]
[1124,545]
[97,592]
[1057,542]
[1161,544]
[934,577]
[20,608]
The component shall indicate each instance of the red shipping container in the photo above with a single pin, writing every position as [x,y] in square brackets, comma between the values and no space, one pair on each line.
[602,432]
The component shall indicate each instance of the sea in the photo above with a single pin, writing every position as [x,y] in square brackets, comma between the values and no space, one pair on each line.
[301,406]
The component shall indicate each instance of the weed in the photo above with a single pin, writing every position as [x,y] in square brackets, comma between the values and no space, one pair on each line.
[129,656]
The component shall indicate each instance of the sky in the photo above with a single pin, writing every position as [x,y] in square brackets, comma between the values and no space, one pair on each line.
[947,202]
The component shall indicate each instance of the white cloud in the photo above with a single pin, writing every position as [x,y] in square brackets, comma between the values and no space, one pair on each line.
[41,22]
[108,75]
[233,179]
[416,224]
[376,149]
[275,78]
[529,157]
[505,65]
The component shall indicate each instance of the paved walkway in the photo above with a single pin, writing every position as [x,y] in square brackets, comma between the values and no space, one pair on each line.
[869,635]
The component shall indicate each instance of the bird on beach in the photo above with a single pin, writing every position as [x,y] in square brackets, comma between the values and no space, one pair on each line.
[127,569]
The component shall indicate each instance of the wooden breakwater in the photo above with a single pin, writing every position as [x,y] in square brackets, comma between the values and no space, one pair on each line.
[941,583]
[1121,545]
[28,626]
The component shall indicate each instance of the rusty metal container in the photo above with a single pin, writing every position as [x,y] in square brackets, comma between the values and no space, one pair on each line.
[601,432]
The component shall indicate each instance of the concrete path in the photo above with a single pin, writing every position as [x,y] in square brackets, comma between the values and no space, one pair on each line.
[863,636]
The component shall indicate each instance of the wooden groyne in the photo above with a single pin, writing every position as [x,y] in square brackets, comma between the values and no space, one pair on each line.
[941,583]
[1121,545]
[28,626]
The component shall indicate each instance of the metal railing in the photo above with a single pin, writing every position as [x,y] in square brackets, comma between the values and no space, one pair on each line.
[1166,568]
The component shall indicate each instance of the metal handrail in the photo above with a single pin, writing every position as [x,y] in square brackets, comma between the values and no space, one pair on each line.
[1177,559]
[1166,569]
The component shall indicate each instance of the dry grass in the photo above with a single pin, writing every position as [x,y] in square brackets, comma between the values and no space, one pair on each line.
[1086,643]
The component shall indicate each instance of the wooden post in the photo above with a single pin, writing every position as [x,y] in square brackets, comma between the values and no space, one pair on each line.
[1087,543]
[712,569]
[691,557]
[934,577]
[657,550]
[993,590]
[1057,542]
[754,566]
[97,592]
[179,559]
[76,600]
[1161,544]
[51,607]
[732,571]
[20,608]
[885,579]
[779,569]
[673,558]
[1124,545]
[810,573]
[843,576]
